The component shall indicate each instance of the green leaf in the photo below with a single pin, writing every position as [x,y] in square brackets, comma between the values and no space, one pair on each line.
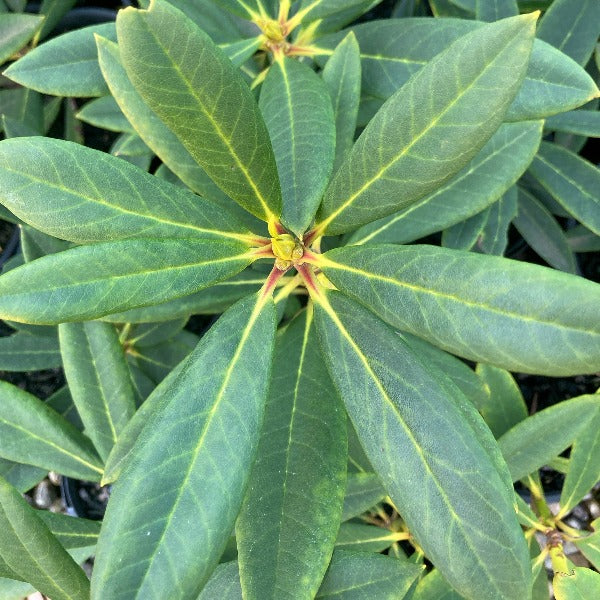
[53,11]
[581,239]
[536,440]
[163,142]
[493,10]
[494,237]
[23,351]
[239,52]
[464,510]
[95,280]
[363,491]
[192,491]
[99,380]
[342,77]
[590,545]
[299,475]
[466,234]
[541,231]
[145,335]
[434,587]
[15,32]
[224,583]
[61,189]
[334,14]
[378,178]
[213,300]
[572,181]
[62,403]
[365,538]
[580,584]
[20,476]
[23,105]
[492,171]
[32,433]
[548,327]
[297,110]
[366,576]
[503,407]
[105,113]
[553,82]
[217,119]
[71,532]
[578,122]
[66,65]
[584,466]
[33,553]
[572,26]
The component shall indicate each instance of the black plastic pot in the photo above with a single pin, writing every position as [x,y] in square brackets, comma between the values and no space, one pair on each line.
[84,498]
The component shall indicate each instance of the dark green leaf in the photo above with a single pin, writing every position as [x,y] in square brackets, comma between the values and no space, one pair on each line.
[493,10]
[494,169]
[71,532]
[297,111]
[24,351]
[88,282]
[466,234]
[541,231]
[20,476]
[365,538]
[518,316]
[217,119]
[531,443]
[192,489]
[434,587]
[62,403]
[223,584]
[363,491]
[581,239]
[33,553]
[378,179]
[15,32]
[572,181]
[579,122]
[464,510]
[572,26]
[99,380]
[494,236]
[105,113]
[53,11]
[342,78]
[296,489]
[66,65]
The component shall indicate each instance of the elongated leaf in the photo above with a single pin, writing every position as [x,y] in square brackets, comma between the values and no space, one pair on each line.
[163,142]
[580,584]
[581,239]
[548,326]
[553,82]
[224,583]
[217,119]
[590,545]
[584,466]
[365,538]
[572,26]
[466,234]
[193,491]
[15,32]
[579,122]
[99,380]
[434,587]
[62,403]
[83,195]
[91,281]
[214,300]
[365,576]
[20,476]
[494,169]
[465,111]
[297,111]
[464,509]
[531,443]
[30,550]
[363,491]
[66,65]
[342,77]
[23,351]
[493,10]
[504,405]
[494,237]
[32,433]
[71,532]
[299,475]
[572,181]
[541,231]
[104,112]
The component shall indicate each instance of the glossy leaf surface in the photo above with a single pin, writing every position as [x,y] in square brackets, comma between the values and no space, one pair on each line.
[32,433]
[91,281]
[99,380]
[297,110]
[547,327]
[30,550]
[296,488]
[464,511]
[193,489]
[217,119]
[66,65]
[475,80]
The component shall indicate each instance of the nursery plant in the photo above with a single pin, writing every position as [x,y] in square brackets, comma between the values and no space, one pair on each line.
[299,160]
